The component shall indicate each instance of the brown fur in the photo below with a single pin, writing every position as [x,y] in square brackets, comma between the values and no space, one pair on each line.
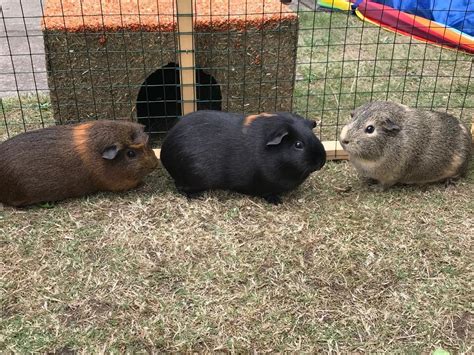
[59,162]
[249,119]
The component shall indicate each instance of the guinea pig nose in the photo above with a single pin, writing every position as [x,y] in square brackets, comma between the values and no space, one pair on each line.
[345,141]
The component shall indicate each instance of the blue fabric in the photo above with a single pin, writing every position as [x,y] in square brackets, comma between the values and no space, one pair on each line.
[458,14]
[355,4]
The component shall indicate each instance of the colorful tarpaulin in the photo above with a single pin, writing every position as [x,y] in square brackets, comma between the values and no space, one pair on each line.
[447,23]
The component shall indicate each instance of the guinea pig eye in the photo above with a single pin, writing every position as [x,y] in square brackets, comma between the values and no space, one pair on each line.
[369,129]
[299,145]
[131,154]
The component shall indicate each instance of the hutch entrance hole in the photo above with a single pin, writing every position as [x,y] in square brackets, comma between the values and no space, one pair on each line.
[159,98]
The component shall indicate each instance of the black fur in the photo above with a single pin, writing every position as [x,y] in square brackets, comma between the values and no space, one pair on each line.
[214,150]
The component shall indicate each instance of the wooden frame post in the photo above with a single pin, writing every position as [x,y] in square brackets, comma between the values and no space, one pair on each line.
[185,16]
[184,13]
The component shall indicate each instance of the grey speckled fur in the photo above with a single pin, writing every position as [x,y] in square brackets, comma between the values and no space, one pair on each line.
[407,146]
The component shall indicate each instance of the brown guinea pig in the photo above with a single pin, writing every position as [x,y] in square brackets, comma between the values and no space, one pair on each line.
[59,162]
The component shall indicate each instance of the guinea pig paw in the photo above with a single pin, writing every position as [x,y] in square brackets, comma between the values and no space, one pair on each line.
[450,183]
[369,181]
[190,195]
[273,199]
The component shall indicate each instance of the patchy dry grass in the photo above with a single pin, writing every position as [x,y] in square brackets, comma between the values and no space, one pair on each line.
[327,270]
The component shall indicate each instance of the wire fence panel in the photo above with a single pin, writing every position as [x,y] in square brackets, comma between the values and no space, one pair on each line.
[64,61]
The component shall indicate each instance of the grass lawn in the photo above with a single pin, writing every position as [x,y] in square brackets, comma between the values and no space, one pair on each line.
[356,62]
[327,270]
[338,267]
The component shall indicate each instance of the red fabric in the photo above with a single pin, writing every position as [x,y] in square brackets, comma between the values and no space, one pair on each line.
[415,26]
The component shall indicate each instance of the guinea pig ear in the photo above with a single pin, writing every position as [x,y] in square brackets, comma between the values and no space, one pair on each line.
[310,123]
[111,152]
[277,138]
[391,126]
[140,137]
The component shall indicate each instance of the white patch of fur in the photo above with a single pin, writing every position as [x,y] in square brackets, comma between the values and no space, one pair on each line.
[344,131]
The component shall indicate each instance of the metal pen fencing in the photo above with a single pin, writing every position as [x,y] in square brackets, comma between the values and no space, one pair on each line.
[64,61]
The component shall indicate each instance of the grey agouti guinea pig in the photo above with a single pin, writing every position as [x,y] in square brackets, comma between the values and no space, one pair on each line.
[59,162]
[261,155]
[392,143]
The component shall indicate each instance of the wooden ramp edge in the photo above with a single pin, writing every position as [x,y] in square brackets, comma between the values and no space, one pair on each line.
[333,149]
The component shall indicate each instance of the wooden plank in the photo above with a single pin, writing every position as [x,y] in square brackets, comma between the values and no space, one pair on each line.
[184,9]
[333,149]
[472,131]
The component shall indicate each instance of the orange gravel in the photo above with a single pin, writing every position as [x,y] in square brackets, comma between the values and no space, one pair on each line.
[160,15]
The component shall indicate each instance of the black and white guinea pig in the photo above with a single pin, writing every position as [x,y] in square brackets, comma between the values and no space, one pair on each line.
[260,155]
